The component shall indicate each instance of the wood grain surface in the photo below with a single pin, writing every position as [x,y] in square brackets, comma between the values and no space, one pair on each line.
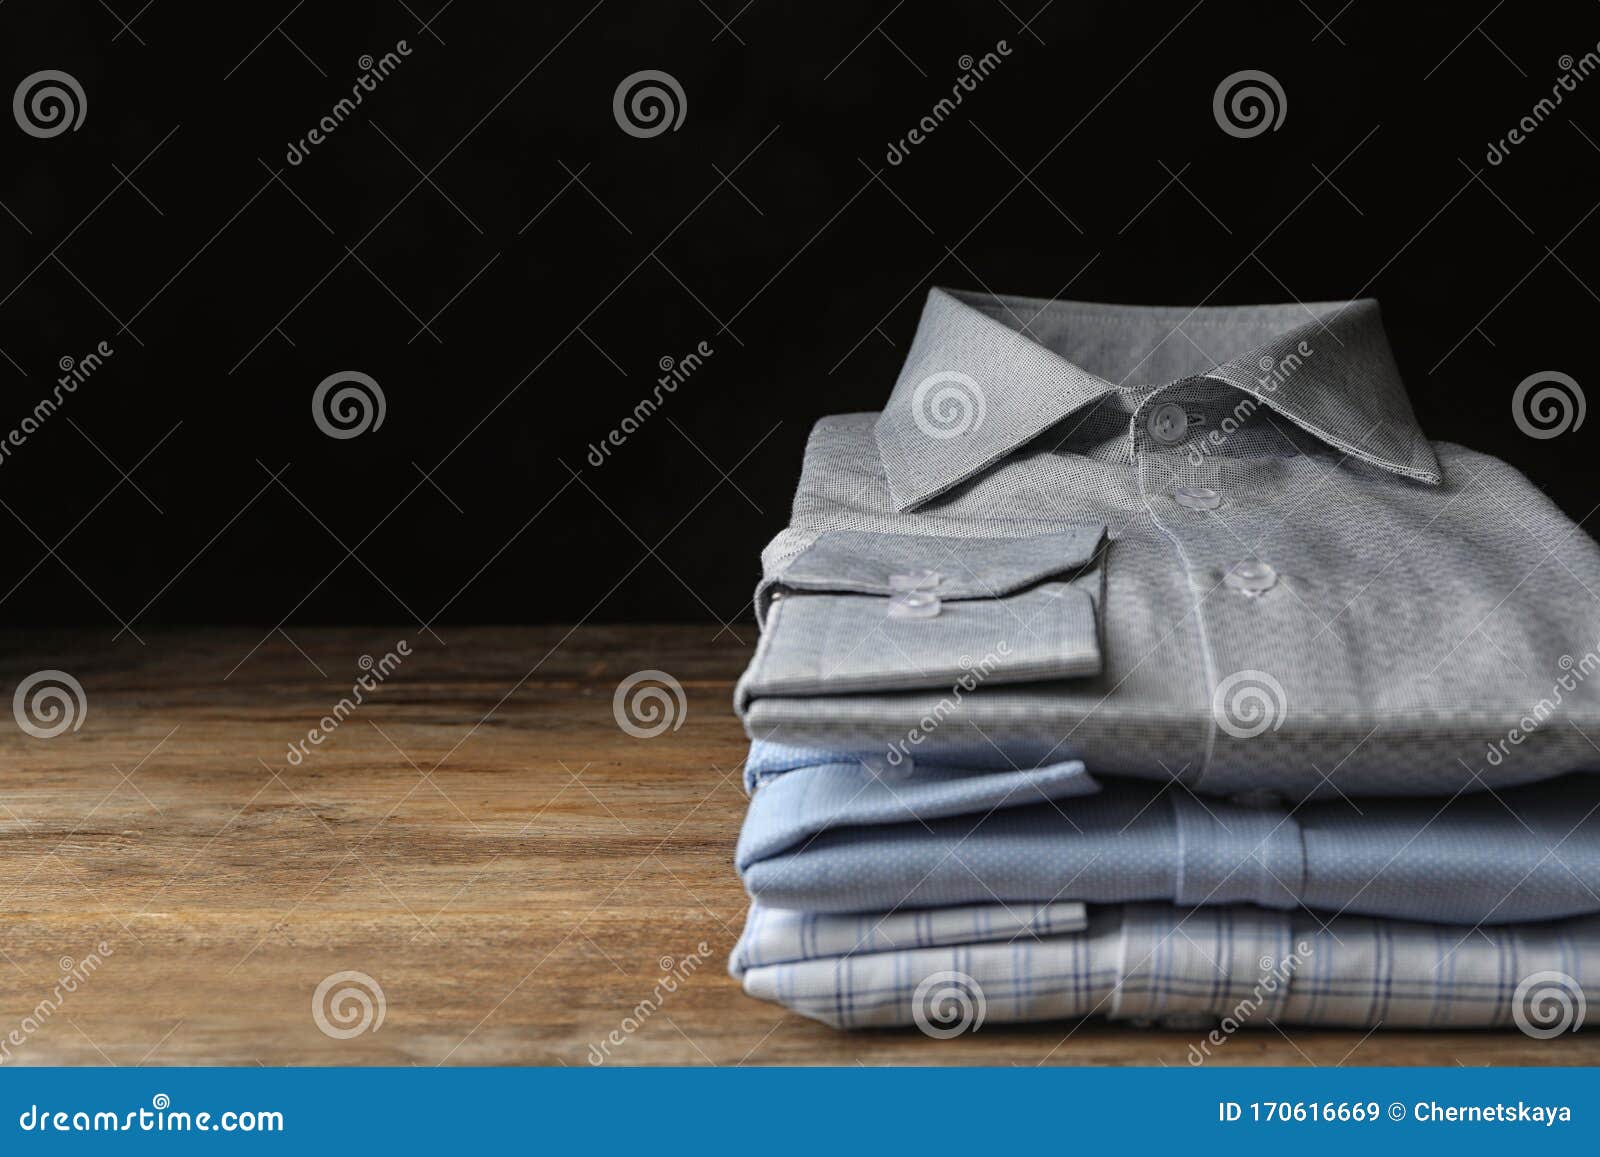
[479,837]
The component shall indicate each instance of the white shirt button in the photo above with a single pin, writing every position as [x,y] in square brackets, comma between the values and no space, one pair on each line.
[1168,423]
[914,605]
[1251,577]
[1197,497]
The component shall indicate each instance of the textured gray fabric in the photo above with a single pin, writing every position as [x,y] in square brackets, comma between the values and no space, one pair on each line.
[1036,362]
[824,644]
[1430,603]
[1177,967]
[989,629]
[843,560]
[834,837]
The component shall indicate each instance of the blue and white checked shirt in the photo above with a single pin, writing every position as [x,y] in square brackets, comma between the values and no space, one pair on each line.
[1169,966]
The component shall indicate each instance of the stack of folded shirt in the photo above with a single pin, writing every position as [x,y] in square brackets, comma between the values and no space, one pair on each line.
[1150,663]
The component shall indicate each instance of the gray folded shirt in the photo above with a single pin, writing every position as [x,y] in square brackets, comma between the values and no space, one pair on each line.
[1210,546]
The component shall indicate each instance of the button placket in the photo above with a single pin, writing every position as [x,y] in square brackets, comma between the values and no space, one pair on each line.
[1209,503]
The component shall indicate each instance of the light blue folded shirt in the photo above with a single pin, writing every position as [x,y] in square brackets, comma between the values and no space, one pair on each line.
[831,834]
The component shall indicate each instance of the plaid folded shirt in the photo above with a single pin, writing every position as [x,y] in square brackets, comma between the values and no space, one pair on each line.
[950,970]
[1205,545]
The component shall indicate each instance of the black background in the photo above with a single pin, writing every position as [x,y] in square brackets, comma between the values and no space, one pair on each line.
[769,224]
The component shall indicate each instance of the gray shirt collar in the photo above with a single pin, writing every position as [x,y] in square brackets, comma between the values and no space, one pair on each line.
[986,374]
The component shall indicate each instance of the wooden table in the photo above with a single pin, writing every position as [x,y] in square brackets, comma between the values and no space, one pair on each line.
[479,837]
